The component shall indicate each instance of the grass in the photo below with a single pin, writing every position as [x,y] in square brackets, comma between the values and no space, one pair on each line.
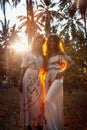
[75,109]
[9,108]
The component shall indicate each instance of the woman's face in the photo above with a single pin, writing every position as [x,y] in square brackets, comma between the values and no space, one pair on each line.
[52,43]
[38,44]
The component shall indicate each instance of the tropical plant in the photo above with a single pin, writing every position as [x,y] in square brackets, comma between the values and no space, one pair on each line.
[29,21]
[74,25]
[83,11]
[30,27]
[44,15]
[7,37]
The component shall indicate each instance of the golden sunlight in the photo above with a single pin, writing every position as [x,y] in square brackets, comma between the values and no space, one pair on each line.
[64,65]
[61,46]
[42,75]
[19,47]
[45,48]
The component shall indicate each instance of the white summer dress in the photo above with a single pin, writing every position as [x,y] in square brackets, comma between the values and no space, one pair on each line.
[54,92]
[31,97]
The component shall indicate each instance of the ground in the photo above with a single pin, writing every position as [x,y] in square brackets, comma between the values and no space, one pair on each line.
[75,109]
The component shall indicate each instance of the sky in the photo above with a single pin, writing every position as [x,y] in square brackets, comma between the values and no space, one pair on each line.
[11,14]
[14,12]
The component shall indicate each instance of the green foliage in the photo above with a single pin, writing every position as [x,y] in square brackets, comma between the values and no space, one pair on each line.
[76,77]
[7,37]
[64,18]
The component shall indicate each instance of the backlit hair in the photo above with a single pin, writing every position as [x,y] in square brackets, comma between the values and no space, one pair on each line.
[58,42]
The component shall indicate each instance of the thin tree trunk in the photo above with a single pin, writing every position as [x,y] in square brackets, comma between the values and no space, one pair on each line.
[7,50]
[30,22]
[85,24]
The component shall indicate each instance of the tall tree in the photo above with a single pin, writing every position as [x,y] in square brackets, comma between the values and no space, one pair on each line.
[45,15]
[30,20]
[7,36]
[3,7]
[83,10]
[73,25]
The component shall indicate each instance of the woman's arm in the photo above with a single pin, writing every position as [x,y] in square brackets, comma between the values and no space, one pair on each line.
[69,61]
[21,79]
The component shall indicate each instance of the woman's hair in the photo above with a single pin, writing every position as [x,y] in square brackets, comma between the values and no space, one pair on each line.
[53,36]
[58,47]
[58,44]
[39,37]
[37,40]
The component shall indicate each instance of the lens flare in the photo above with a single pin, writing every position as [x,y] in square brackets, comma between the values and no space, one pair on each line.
[18,47]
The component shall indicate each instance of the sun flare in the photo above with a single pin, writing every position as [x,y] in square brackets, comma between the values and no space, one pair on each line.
[19,47]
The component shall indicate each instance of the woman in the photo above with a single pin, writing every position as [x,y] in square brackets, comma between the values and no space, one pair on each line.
[30,113]
[56,63]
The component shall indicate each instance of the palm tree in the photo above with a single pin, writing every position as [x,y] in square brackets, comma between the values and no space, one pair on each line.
[83,10]
[3,7]
[78,7]
[47,15]
[44,15]
[30,28]
[30,22]
[73,26]
[7,37]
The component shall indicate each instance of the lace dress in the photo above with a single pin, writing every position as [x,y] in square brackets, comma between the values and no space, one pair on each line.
[31,98]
